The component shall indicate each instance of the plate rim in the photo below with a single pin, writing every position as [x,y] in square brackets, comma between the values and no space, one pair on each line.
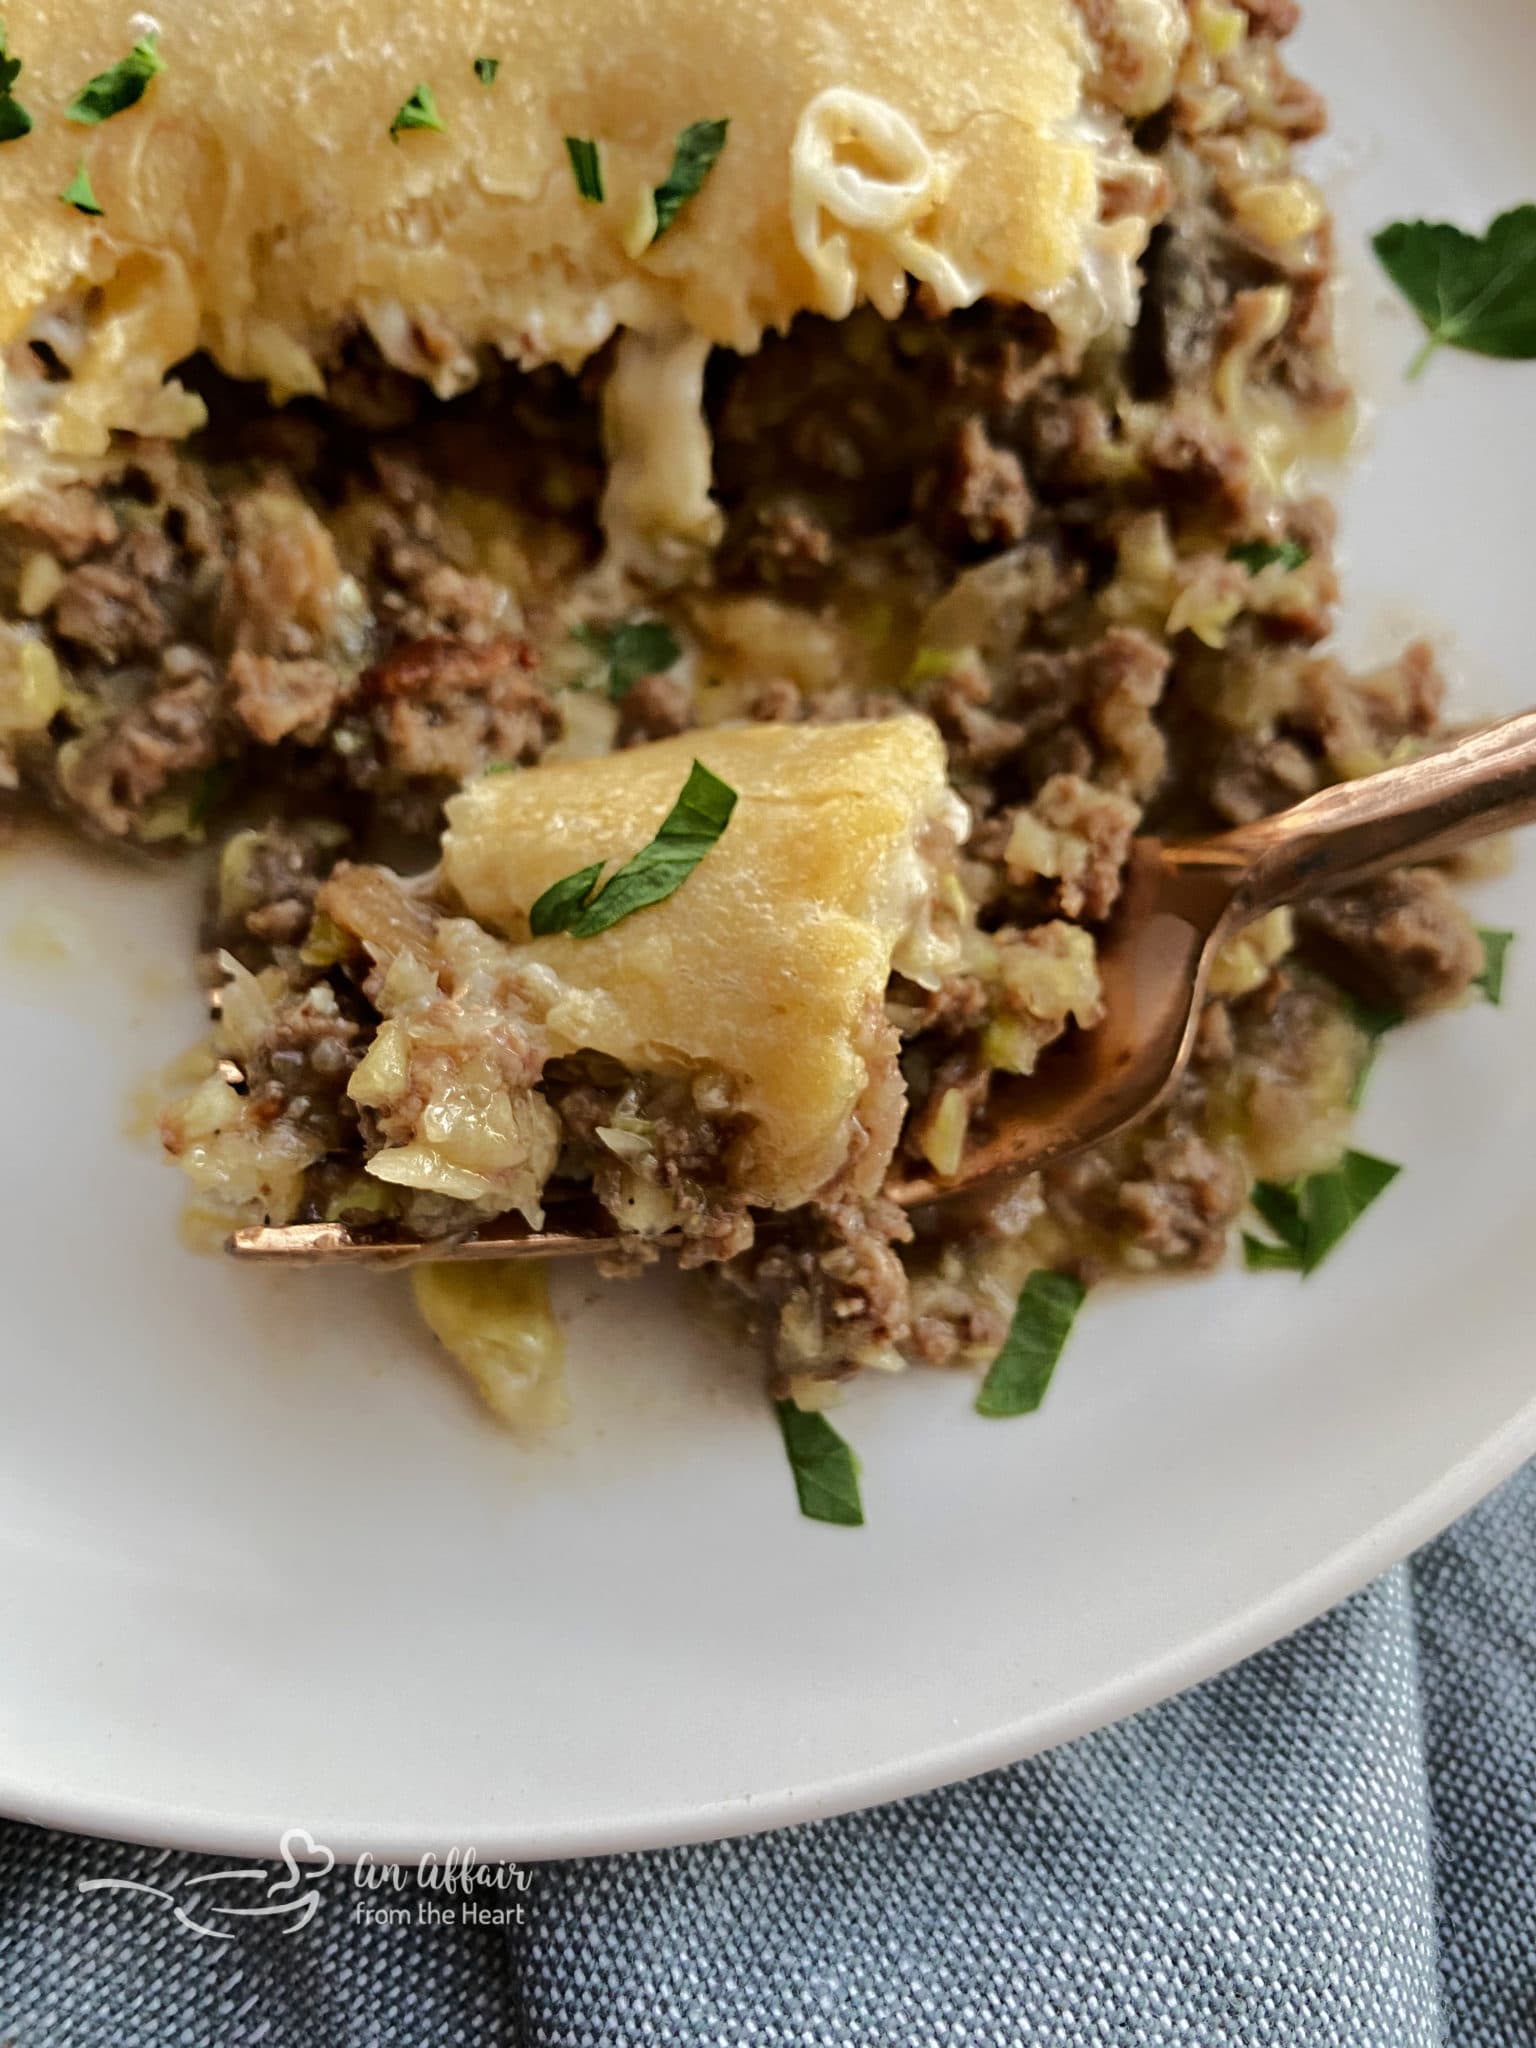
[1292,1600]
[1387,1543]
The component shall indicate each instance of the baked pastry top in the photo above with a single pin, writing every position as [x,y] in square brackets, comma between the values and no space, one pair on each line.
[768,967]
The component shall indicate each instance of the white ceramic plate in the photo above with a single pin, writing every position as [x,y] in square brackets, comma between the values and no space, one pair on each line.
[262,1563]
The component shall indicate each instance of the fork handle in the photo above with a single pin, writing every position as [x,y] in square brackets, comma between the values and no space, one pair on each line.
[1482,784]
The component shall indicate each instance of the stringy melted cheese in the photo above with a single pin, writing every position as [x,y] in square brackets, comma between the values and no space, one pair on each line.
[255,202]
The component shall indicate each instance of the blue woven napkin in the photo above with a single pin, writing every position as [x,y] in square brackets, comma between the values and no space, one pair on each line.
[1332,1847]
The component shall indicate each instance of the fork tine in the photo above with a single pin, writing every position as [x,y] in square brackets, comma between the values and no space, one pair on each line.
[506,1237]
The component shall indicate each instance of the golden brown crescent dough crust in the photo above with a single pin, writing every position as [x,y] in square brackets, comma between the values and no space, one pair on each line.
[254,199]
[769,965]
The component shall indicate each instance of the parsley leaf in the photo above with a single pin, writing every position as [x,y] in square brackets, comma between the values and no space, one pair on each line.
[15,121]
[560,906]
[695,156]
[686,834]
[1311,1216]
[826,1471]
[419,111]
[1470,292]
[586,167]
[1257,555]
[1042,1322]
[1280,1208]
[118,88]
[639,647]
[1375,1020]
[1496,945]
[1333,1203]
[1375,1023]
[486,69]
[78,194]
[1260,1257]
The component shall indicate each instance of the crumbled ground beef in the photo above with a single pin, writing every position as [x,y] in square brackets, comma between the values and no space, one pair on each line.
[974,500]
[1167,1195]
[1180,1208]
[109,614]
[778,702]
[115,778]
[278,700]
[300,1069]
[69,521]
[1289,1077]
[265,893]
[1301,722]
[424,596]
[1203,468]
[1076,839]
[833,1288]
[1184,306]
[202,608]
[341,613]
[285,587]
[960,704]
[653,709]
[448,709]
[952,1324]
[1405,939]
[1361,721]
[780,542]
[1089,711]
[1252,776]
[957,1008]
[684,1153]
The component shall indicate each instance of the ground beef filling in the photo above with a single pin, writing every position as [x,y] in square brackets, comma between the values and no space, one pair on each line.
[300,634]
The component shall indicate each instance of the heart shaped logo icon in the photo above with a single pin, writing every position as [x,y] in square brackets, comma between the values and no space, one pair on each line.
[306,1859]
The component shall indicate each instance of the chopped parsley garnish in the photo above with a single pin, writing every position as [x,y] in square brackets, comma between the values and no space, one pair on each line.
[1042,1321]
[1375,1023]
[1496,947]
[1258,555]
[639,647]
[1472,292]
[15,121]
[826,1471]
[1260,1257]
[695,156]
[688,831]
[78,194]
[1311,1215]
[486,69]
[561,905]
[419,111]
[586,167]
[115,90]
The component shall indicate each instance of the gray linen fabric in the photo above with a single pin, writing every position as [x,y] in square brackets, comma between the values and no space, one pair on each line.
[1331,1847]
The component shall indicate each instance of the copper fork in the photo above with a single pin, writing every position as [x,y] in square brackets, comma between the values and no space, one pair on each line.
[1181,903]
